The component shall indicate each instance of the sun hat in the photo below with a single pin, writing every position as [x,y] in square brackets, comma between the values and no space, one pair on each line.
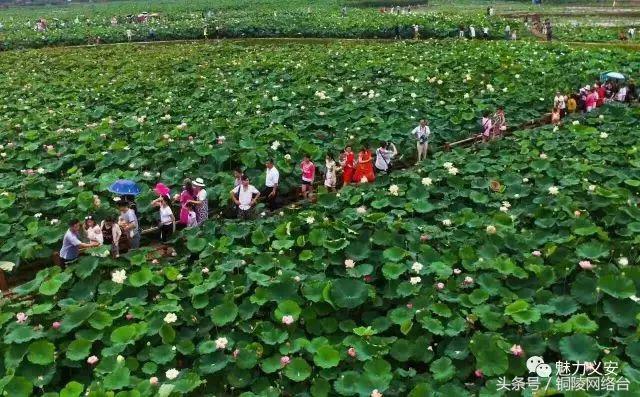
[198,182]
[161,189]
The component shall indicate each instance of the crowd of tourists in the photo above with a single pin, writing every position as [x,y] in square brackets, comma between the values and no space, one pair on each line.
[590,97]
[122,231]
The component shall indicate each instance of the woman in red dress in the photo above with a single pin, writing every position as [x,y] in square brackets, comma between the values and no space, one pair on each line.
[364,168]
[347,161]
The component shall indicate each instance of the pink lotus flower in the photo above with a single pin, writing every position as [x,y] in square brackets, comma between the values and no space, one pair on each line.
[586,265]
[21,318]
[478,373]
[425,237]
[517,350]
[577,213]
[287,320]
[409,305]
[92,360]
[367,278]
[457,271]
[129,316]
[468,280]
[352,352]
[440,286]
[153,381]
[376,393]
[236,353]
[284,360]
[536,253]
[56,325]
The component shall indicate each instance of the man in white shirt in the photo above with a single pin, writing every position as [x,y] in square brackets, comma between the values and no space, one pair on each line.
[422,133]
[560,102]
[245,197]
[270,192]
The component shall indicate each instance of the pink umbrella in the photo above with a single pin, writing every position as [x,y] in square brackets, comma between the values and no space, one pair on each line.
[161,189]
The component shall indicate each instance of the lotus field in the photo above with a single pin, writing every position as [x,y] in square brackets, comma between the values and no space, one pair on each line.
[440,279]
[230,19]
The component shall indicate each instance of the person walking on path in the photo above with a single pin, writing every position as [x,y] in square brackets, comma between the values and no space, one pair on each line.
[308,175]
[559,102]
[330,177]
[384,154]
[201,202]
[364,167]
[92,230]
[167,220]
[128,222]
[272,179]
[487,125]
[499,122]
[507,32]
[347,161]
[187,196]
[422,134]
[245,197]
[71,244]
[113,235]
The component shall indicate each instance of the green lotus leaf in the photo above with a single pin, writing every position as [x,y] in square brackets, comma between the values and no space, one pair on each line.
[41,352]
[579,347]
[297,370]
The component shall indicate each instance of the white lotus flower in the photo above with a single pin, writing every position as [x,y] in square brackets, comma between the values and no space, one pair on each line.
[274,98]
[453,171]
[166,117]
[576,122]
[439,82]
[119,276]
[55,221]
[466,95]
[310,220]
[506,204]
[504,209]
[525,180]
[221,343]
[491,229]
[349,263]
[170,318]
[182,126]
[446,222]
[556,129]
[172,373]
[517,76]
[287,157]
[394,189]
[37,215]
[361,210]
[120,359]
[543,156]
[447,165]
[415,280]
[414,95]
[81,184]
[60,186]
[340,89]
[275,145]
[40,170]
[427,181]
[604,135]
[592,188]
[417,267]
[601,116]
[7,266]
[553,190]
[623,261]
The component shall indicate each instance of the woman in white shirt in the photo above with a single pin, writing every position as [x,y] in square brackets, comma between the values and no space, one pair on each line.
[93,231]
[167,219]
[384,154]
[330,177]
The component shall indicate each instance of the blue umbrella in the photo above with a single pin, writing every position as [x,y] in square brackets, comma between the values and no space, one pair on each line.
[125,187]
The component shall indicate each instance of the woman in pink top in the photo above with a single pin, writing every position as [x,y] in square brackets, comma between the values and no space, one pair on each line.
[308,175]
[592,99]
[186,196]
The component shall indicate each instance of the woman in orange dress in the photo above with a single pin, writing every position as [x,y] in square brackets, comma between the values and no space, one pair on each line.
[347,161]
[364,168]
